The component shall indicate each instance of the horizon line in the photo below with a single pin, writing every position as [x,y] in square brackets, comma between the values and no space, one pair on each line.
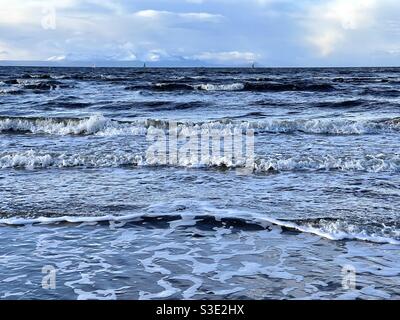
[159,65]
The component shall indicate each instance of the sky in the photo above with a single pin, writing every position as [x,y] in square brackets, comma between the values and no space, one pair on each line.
[269,33]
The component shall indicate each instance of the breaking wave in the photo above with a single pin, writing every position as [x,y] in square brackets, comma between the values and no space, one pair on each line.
[96,124]
[331,229]
[245,86]
[36,84]
[269,164]
[10,92]
[99,125]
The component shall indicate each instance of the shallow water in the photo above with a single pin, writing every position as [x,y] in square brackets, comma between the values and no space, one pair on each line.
[79,193]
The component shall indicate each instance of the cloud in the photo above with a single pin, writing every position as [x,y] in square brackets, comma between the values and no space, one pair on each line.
[326,40]
[332,22]
[173,16]
[156,55]
[10,50]
[226,57]
[56,58]
[271,32]
[202,16]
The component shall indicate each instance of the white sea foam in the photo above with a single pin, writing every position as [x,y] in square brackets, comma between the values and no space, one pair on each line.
[322,126]
[54,126]
[35,160]
[314,126]
[99,125]
[370,163]
[220,87]
[96,124]
[331,230]
[8,91]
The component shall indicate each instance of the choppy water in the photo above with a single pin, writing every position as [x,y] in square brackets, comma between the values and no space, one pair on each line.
[78,192]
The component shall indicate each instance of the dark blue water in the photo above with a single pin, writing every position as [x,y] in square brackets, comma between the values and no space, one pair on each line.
[317,195]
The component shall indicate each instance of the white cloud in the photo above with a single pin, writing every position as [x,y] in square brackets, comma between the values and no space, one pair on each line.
[173,16]
[231,56]
[330,23]
[10,51]
[351,14]
[201,16]
[56,58]
[221,31]
[156,55]
[151,14]
[326,40]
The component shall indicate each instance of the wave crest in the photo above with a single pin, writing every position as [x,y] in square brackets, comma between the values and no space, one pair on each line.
[238,86]
[96,124]
[271,164]
[99,125]
[331,229]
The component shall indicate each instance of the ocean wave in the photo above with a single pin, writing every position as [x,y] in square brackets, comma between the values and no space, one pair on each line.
[35,160]
[11,81]
[260,165]
[325,126]
[358,80]
[339,230]
[99,125]
[96,124]
[342,104]
[42,86]
[162,87]
[221,87]
[10,92]
[383,92]
[37,76]
[52,125]
[369,163]
[288,87]
[245,86]
[330,229]
[37,84]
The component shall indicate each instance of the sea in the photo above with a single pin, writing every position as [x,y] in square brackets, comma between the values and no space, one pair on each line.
[124,183]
